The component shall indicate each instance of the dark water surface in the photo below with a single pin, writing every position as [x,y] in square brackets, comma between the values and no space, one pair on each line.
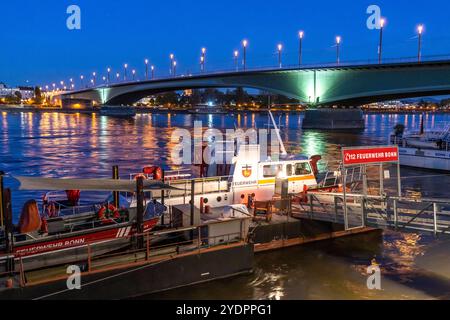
[74,145]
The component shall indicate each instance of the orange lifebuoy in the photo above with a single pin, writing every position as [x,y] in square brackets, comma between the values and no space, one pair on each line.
[305,194]
[106,212]
[44,225]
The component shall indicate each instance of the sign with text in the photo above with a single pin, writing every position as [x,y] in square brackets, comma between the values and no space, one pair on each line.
[369,155]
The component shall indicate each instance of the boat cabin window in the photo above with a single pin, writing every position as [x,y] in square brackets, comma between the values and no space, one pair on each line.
[299,169]
[272,171]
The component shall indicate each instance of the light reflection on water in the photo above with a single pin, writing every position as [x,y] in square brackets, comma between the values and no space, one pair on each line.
[77,145]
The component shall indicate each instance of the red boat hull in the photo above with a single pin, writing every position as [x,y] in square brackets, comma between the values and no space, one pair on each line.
[90,238]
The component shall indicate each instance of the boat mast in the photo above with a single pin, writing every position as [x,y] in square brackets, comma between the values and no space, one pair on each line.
[277,131]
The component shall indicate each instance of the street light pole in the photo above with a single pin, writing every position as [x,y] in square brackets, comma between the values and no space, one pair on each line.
[174,68]
[153,72]
[146,69]
[118,77]
[338,47]
[171,63]
[280,48]
[203,59]
[134,74]
[94,75]
[109,77]
[300,48]
[82,81]
[419,54]
[125,68]
[380,47]
[244,44]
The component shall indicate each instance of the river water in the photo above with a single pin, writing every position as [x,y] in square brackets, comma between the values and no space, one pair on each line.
[414,266]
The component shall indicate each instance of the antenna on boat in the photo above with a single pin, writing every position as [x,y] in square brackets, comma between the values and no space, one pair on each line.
[277,131]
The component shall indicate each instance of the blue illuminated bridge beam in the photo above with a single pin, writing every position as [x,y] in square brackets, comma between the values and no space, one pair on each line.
[350,85]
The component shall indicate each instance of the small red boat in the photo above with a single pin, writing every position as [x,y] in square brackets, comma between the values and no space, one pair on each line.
[64,232]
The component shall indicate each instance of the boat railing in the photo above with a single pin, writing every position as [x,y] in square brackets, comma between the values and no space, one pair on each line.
[168,175]
[205,185]
[143,251]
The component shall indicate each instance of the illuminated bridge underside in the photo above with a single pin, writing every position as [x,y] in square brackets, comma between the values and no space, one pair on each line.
[337,85]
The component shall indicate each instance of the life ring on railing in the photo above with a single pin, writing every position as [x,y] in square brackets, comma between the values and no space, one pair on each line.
[108,212]
[304,194]
[44,225]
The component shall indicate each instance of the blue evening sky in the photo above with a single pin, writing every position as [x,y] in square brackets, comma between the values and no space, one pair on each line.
[36,45]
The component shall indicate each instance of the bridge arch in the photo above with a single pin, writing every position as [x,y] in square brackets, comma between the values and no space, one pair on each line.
[334,85]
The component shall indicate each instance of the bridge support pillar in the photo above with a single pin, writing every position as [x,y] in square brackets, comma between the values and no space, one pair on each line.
[334,119]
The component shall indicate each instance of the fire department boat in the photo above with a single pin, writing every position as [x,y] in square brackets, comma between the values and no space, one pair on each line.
[250,176]
[62,230]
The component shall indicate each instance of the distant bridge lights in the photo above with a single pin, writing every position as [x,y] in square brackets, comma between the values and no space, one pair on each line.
[280,48]
[301,34]
[82,81]
[174,65]
[338,47]
[94,75]
[420,29]
[133,72]
[380,46]
[117,77]
[153,72]
[244,45]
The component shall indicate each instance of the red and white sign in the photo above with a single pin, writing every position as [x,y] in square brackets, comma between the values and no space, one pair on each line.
[369,155]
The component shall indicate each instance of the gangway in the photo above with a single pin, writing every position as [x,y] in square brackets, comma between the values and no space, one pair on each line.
[399,213]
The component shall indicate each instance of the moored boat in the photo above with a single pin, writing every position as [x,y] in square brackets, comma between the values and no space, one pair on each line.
[427,149]
[64,231]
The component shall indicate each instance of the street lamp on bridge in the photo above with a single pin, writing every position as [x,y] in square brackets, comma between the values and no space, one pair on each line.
[134,74]
[420,29]
[171,62]
[117,77]
[125,68]
[202,64]
[300,48]
[108,77]
[280,48]
[338,47]
[94,74]
[146,69]
[380,46]
[236,63]
[153,72]
[244,45]
[82,81]
[174,68]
